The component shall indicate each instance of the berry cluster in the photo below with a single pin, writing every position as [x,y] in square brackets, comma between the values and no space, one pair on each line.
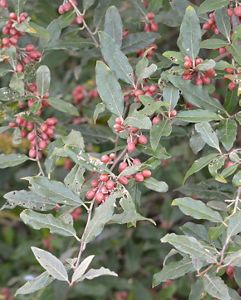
[80,93]
[102,187]
[211,24]
[134,135]
[66,6]
[151,26]
[138,177]
[232,85]
[235,11]
[191,72]
[171,114]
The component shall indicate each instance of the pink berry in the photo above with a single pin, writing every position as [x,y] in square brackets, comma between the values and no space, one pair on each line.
[110,185]
[237,11]
[123,180]
[139,177]
[131,147]
[90,195]
[146,173]
[94,183]
[142,139]
[99,197]
[105,159]
[104,177]
[122,166]
[32,153]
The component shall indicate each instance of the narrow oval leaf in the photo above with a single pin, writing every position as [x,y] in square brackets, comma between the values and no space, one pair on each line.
[43,80]
[234,224]
[109,89]
[51,264]
[216,287]
[136,41]
[233,259]
[94,273]
[79,272]
[208,134]
[227,132]
[223,22]
[155,185]
[208,5]
[171,95]
[197,209]
[113,24]
[116,59]
[12,160]
[63,106]
[163,128]
[197,115]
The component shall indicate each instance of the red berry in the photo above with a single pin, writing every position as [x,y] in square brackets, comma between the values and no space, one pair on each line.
[232,86]
[99,197]
[104,177]
[237,11]
[19,68]
[150,16]
[154,26]
[32,153]
[90,195]
[42,144]
[110,185]
[146,173]
[105,159]
[136,162]
[156,120]
[187,64]
[131,147]
[206,80]
[94,183]
[230,12]
[122,166]
[230,271]
[139,177]
[142,139]
[123,180]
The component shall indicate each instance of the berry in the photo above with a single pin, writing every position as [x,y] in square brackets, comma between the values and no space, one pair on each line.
[105,159]
[94,183]
[110,185]
[146,173]
[104,177]
[142,139]
[123,180]
[237,11]
[32,153]
[90,195]
[139,177]
[99,197]
[122,166]
[232,86]
[131,147]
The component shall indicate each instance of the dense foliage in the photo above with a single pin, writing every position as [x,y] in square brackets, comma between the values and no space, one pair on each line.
[120,149]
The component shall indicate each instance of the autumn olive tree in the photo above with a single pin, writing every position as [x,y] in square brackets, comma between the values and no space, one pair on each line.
[146,97]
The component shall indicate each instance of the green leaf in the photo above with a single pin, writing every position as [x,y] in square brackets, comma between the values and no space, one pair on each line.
[233,259]
[103,214]
[227,132]
[173,270]
[39,221]
[51,264]
[63,106]
[171,96]
[138,120]
[197,209]
[213,44]
[38,283]
[235,51]
[79,272]
[12,160]
[74,139]
[17,83]
[116,60]
[231,100]
[163,128]
[109,89]
[100,108]
[137,41]
[190,33]
[43,78]
[215,287]
[198,96]
[75,179]
[196,143]
[208,5]
[94,273]
[208,134]
[200,164]
[196,290]
[55,190]
[28,199]
[7,94]
[129,214]
[234,225]
[147,72]
[223,22]
[87,4]
[197,115]
[206,65]
[190,246]
[155,185]
[113,24]
[237,179]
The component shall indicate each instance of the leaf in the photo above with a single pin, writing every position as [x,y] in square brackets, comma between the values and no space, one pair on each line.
[109,89]
[7,94]
[28,199]
[197,115]
[51,264]
[190,33]
[206,65]
[38,283]
[43,78]
[116,59]
[17,83]
[55,190]
[103,215]
[171,96]
[198,96]
[196,143]
[138,41]
[237,179]
[39,221]
[129,214]
[79,272]
[147,72]
[173,270]
[12,160]
[163,128]
[113,24]
[75,179]
[155,185]
[235,51]
[208,5]
[208,134]
[197,209]
[216,287]
[234,225]
[227,132]
[87,4]
[100,108]
[231,100]
[196,290]
[190,246]
[223,22]
[63,106]
[213,44]
[94,273]
[233,259]
[74,139]
[200,164]
[138,120]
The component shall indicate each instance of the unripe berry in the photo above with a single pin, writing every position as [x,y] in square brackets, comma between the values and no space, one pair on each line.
[146,173]
[90,195]
[139,177]
[104,177]
[123,180]
[142,139]
[112,156]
